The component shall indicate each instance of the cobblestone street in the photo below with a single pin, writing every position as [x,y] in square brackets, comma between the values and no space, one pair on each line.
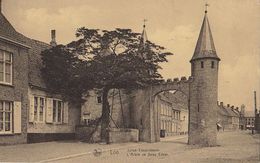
[233,147]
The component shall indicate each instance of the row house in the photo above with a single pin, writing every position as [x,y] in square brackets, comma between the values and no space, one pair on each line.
[228,117]
[172,114]
[28,111]
[249,119]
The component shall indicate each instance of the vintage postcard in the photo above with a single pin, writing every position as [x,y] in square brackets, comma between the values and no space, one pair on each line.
[130,81]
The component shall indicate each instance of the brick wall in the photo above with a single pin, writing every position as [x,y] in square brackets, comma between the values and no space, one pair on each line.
[18,91]
[203,103]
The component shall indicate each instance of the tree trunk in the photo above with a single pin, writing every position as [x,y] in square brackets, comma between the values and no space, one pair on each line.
[105,116]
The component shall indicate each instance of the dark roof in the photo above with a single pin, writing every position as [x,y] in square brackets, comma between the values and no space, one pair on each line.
[36,47]
[7,31]
[205,47]
[236,112]
[176,101]
[222,110]
[35,62]
[230,112]
[227,111]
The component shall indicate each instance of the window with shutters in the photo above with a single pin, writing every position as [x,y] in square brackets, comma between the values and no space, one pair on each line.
[39,108]
[5,67]
[6,109]
[57,111]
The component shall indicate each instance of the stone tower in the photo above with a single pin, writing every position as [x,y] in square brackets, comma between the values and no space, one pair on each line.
[204,89]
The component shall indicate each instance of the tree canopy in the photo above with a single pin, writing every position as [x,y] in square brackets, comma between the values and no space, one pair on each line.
[104,60]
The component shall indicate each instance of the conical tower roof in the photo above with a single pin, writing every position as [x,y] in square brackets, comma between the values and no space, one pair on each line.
[144,36]
[205,47]
[143,42]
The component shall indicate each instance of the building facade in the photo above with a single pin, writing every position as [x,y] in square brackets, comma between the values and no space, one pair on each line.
[13,84]
[28,111]
[228,117]
[249,119]
[173,113]
[91,110]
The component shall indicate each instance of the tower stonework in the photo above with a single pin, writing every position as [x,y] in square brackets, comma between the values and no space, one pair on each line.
[204,90]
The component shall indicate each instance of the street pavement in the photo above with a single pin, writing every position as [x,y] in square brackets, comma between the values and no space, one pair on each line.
[239,146]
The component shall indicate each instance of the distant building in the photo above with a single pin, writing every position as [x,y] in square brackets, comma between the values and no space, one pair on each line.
[173,112]
[250,119]
[91,110]
[228,117]
[257,122]
[242,119]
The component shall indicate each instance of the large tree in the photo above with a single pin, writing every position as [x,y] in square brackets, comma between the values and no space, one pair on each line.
[63,72]
[111,59]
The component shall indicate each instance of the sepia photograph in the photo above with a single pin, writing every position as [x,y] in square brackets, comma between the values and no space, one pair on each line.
[137,81]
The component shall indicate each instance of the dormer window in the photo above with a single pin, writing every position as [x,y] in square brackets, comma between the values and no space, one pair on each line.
[202,64]
[5,67]
[212,64]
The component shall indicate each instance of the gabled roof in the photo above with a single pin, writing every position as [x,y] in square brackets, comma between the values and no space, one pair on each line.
[221,110]
[205,47]
[7,31]
[236,112]
[227,111]
[230,112]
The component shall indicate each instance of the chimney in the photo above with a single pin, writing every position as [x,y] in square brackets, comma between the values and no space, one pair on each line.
[53,38]
[228,105]
[221,103]
[232,106]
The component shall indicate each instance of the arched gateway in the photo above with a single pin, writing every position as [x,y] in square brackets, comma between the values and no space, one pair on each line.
[201,89]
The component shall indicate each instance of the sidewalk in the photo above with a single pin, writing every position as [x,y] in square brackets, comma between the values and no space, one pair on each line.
[233,147]
[175,137]
[50,151]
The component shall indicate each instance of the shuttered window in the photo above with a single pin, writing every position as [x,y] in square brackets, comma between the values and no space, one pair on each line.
[6,109]
[60,110]
[17,117]
[37,109]
[48,110]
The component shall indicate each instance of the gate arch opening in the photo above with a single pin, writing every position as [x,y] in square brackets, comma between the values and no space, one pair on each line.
[171,115]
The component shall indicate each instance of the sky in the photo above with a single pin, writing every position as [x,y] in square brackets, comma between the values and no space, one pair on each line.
[174,24]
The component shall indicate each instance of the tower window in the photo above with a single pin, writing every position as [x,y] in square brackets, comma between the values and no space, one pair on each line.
[212,64]
[202,64]
[99,99]
[198,107]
